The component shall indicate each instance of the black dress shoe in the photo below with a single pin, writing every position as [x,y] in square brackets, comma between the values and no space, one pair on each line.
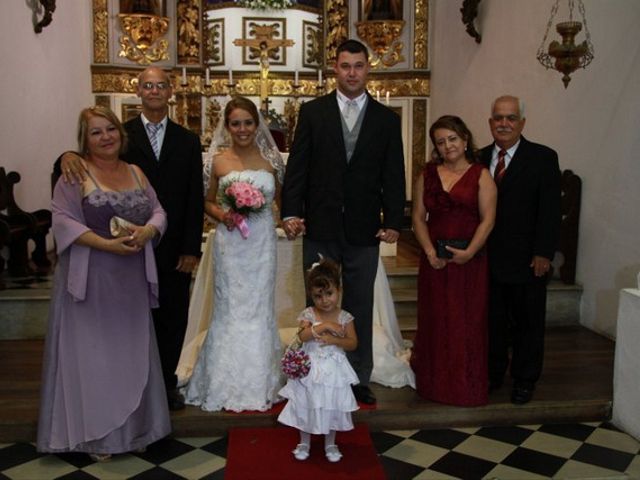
[521,395]
[364,394]
[175,400]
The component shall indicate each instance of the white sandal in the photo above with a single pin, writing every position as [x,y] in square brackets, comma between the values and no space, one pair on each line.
[301,452]
[100,457]
[332,453]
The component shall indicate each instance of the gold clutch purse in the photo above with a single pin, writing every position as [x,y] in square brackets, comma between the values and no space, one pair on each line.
[120,227]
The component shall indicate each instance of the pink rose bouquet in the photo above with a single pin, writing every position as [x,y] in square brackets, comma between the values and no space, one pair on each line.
[243,199]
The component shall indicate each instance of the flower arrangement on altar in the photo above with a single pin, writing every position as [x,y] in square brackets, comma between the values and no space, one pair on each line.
[265,4]
[243,199]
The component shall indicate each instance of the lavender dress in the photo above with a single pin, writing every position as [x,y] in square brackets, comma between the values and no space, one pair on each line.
[102,389]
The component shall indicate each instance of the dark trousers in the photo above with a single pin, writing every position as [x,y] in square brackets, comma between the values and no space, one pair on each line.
[359,267]
[517,317]
[170,321]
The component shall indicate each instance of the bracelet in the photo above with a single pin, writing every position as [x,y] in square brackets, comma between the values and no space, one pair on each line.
[313,332]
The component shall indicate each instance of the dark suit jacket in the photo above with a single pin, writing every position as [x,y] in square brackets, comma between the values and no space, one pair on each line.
[528,212]
[177,180]
[331,194]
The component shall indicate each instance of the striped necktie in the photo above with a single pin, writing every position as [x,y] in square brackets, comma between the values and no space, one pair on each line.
[500,167]
[153,129]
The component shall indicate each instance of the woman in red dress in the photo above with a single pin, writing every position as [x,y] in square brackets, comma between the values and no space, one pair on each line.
[455,199]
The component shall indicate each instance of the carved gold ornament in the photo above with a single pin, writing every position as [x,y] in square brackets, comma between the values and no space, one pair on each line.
[383,37]
[421,34]
[214,42]
[188,21]
[100,32]
[142,40]
[337,21]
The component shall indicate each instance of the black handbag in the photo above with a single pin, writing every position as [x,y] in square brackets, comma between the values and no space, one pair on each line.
[442,252]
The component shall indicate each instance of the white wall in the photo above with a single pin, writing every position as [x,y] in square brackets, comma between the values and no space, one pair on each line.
[593,124]
[45,81]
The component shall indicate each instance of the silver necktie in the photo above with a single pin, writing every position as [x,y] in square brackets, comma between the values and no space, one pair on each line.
[350,114]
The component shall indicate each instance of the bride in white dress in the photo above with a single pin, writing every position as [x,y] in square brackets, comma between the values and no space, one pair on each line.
[238,367]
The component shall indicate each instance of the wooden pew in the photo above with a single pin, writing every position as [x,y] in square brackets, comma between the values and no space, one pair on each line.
[23,226]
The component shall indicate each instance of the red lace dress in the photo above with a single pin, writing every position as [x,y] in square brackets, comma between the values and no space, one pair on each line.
[450,349]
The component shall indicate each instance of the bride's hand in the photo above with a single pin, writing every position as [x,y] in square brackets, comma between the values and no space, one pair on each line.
[228,220]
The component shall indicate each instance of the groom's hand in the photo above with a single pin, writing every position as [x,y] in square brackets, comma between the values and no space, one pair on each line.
[293,227]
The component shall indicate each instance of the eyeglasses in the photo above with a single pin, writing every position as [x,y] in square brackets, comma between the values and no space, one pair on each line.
[508,118]
[158,85]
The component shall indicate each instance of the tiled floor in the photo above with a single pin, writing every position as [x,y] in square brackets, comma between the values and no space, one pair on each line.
[572,451]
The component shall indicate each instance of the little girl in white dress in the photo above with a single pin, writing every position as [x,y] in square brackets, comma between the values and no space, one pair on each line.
[322,402]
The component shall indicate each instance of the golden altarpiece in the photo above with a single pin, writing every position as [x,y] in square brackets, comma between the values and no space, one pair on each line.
[277,57]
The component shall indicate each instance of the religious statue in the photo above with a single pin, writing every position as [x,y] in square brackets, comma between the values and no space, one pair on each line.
[382,10]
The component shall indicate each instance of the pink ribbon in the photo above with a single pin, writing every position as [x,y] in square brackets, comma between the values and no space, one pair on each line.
[241,223]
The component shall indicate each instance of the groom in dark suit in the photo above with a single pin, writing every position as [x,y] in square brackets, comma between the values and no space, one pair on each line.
[171,158]
[521,247]
[345,168]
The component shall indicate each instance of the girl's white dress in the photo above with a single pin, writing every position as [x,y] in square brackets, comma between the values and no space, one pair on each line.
[323,400]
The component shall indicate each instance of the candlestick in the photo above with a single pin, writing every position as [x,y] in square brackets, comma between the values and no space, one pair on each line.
[295,78]
[377,95]
[184,76]
[386,99]
[231,76]
[207,78]
[319,77]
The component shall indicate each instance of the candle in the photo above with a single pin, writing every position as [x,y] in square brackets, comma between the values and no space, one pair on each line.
[320,77]
[295,78]
[207,78]
[184,75]
[230,76]
[387,98]
[377,95]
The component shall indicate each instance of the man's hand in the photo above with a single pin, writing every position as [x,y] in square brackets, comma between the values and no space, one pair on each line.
[187,263]
[293,227]
[540,265]
[388,235]
[72,169]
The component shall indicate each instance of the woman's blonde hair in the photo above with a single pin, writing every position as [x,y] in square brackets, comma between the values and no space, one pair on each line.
[83,126]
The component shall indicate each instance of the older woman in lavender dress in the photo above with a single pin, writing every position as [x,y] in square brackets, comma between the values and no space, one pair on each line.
[102,390]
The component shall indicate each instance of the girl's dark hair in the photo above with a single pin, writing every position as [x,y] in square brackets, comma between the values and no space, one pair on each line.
[323,275]
[455,124]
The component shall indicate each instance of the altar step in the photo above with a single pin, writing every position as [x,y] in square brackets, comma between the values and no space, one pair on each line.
[24,303]
[563,301]
[576,386]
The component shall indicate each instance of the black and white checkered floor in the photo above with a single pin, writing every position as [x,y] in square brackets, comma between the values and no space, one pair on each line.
[571,451]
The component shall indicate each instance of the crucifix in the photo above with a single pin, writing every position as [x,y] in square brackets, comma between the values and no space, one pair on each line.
[264,46]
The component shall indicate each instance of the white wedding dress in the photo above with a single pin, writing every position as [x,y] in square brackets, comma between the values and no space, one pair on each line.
[238,367]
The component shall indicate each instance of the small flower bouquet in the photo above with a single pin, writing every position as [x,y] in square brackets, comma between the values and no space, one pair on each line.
[244,199]
[295,363]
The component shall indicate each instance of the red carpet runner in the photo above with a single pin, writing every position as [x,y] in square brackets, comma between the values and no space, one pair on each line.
[265,454]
